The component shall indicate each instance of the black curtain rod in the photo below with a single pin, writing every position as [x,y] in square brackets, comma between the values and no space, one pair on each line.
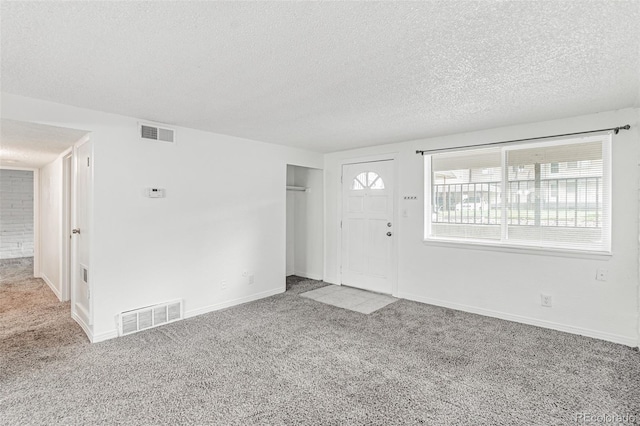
[615,131]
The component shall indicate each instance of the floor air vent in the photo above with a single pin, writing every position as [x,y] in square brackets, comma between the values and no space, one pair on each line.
[149,317]
[155,133]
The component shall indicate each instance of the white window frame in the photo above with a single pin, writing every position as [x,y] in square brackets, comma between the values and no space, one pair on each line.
[511,246]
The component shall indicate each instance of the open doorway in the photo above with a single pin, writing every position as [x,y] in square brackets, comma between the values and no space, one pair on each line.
[42,157]
[304,223]
[16,213]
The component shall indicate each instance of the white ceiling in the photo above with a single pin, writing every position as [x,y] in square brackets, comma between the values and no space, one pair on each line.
[32,145]
[327,76]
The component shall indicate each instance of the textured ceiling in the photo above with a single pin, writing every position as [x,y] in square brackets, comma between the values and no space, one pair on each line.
[327,75]
[33,145]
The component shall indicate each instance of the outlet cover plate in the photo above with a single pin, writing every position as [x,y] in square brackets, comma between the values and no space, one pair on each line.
[602,274]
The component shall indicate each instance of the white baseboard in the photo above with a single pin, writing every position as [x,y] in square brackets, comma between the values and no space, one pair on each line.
[615,338]
[83,325]
[93,338]
[107,335]
[112,334]
[311,276]
[234,302]
[53,288]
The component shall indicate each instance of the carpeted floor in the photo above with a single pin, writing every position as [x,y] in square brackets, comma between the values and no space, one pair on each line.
[291,360]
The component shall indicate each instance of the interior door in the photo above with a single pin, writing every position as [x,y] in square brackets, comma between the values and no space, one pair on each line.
[81,277]
[367,225]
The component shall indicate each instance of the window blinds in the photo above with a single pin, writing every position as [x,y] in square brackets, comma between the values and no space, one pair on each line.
[553,194]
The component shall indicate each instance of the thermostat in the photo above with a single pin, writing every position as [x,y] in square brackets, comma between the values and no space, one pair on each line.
[155,192]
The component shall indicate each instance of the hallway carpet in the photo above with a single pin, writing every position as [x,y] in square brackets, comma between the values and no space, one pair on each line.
[290,360]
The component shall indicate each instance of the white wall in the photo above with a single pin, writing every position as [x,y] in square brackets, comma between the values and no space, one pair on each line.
[305,223]
[224,213]
[508,284]
[16,214]
[51,225]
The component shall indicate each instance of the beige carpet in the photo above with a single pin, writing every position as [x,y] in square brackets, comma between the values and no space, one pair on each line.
[287,359]
[31,317]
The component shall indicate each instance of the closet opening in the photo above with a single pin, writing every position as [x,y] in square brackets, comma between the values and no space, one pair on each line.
[304,224]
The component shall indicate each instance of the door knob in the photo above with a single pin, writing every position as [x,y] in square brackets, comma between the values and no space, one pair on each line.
[388,234]
[75,231]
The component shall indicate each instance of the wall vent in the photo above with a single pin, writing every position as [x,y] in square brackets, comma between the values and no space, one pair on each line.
[155,133]
[149,317]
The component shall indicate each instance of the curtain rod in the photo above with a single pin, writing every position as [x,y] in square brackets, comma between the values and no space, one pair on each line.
[615,131]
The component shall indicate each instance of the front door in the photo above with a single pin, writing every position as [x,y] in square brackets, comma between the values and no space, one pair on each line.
[367,225]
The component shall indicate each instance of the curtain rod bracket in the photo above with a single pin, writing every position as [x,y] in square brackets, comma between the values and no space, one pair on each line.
[617,129]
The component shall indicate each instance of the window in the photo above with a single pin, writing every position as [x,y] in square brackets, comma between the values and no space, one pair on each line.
[367,180]
[542,195]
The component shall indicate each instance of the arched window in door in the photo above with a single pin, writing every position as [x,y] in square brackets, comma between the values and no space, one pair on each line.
[367,180]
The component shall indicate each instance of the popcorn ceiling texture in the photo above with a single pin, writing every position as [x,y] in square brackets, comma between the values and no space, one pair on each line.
[327,75]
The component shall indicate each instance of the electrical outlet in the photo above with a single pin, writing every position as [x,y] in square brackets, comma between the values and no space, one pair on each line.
[250,279]
[223,285]
[545,300]
[602,274]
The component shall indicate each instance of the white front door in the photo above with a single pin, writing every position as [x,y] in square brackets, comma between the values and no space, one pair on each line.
[367,225]
[81,289]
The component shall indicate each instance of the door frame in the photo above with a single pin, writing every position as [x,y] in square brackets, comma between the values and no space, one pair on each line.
[67,210]
[392,156]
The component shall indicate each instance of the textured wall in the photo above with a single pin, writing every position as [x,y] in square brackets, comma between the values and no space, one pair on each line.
[16,214]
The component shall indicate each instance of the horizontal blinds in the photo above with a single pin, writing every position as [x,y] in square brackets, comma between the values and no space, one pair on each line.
[471,159]
[556,153]
[545,194]
[466,187]
[555,195]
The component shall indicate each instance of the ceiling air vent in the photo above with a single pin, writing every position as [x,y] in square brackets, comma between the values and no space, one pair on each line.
[149,317]
[155,133]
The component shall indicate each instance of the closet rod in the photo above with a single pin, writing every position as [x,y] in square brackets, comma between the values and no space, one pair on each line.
[296,188]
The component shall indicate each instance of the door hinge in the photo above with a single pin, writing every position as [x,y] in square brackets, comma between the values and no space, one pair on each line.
[341,178]
[340,224]
[88,159]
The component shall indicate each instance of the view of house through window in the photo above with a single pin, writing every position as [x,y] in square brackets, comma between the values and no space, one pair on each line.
[546,194]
